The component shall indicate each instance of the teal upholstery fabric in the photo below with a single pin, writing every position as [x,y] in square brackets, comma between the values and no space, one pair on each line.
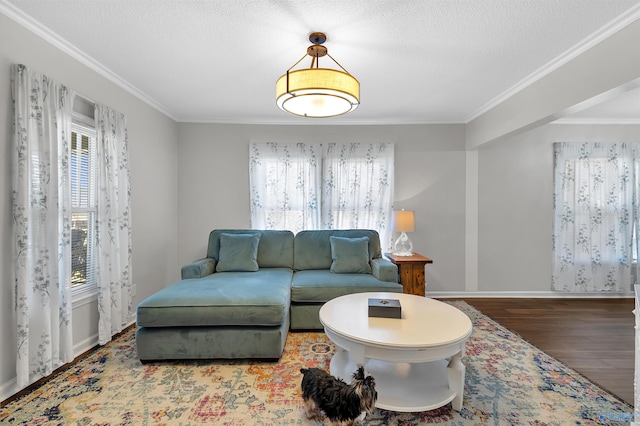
[312,249]
[384,270]
[238,253]
[349,255]
[306,316]
[322,285]
[238,315]
[275,249]
[198,269]
[259,298]
[163,343]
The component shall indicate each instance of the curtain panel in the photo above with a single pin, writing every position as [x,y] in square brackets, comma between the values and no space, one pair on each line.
[357,187]
[42,219]
[113,225]
[284,182]
[322,186]
[596,212]
[41,199]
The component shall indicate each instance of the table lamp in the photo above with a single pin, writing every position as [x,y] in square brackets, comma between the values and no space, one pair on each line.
[403,221]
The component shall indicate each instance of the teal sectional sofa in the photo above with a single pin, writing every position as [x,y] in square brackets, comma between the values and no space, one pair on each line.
[254,285]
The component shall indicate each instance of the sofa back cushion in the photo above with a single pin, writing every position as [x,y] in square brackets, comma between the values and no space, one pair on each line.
[350,255]
[275,248]
[312,249]
[238,253]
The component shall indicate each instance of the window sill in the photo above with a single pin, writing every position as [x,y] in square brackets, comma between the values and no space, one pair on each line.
[84,298]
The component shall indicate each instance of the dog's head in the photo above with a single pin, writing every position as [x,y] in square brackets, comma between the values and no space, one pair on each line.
[365,388]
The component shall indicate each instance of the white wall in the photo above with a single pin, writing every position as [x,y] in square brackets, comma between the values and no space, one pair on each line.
[515,208]
[153,161]
[213,186]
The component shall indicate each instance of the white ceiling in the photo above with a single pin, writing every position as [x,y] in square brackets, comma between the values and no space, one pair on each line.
[418,61]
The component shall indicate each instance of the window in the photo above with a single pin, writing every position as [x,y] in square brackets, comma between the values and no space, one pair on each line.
[285,186]
[322,186]
[83,208]
[595,216]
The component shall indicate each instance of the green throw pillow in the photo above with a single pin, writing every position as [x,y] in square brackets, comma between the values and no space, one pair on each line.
[238,253]
[350,255]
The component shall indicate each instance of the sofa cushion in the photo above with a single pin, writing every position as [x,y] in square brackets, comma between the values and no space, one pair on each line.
[315,286]
[275,249]
[223,298]
[350,255]
[238,253]
[312,249]
[160,343]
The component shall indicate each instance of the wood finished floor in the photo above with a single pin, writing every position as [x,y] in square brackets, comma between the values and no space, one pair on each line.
[593,336]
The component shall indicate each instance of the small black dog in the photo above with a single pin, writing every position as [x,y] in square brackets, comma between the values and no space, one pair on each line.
[343,404]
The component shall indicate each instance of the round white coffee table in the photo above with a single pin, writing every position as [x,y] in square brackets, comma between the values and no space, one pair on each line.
[416,360]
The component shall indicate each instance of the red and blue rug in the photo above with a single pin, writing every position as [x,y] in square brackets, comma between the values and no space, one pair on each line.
[508,382]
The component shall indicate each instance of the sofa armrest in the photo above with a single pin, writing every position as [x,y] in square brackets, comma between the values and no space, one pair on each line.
[384,270]
[200,268]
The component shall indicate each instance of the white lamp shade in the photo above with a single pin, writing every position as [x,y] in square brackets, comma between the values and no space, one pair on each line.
[404,221]
[317,92]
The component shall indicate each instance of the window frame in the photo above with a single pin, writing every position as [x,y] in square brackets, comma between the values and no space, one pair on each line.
[85,126]
[329,205]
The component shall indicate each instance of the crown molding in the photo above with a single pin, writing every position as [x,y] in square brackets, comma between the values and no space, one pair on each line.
[599,121]
[601,34]
[300,121]
[51,37]
[17,15]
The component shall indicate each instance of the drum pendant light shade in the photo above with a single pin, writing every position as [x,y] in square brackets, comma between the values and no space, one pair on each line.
[317,92]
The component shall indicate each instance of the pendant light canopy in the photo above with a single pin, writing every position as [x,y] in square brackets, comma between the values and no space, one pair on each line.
[314,91]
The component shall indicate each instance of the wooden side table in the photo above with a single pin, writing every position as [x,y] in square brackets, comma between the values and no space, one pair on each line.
[411,272]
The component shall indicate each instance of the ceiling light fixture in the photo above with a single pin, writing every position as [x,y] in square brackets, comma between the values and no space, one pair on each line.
[314,91]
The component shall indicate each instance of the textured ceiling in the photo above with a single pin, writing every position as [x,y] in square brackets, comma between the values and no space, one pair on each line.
[418,61]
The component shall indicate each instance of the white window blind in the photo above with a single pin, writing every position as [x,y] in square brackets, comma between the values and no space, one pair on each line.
[83,206]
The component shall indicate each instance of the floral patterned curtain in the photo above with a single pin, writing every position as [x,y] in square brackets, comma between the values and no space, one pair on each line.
[285,186]
[357,187]
[596,214]
[113,227]
[41,223]
[322,186]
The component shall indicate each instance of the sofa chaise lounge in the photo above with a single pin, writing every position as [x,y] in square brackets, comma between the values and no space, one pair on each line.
[253,286]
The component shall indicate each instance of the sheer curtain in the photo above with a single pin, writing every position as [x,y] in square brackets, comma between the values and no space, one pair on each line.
[595,217]
[113,226]
[357,187]
[285,184]
[322,186]
[41,223]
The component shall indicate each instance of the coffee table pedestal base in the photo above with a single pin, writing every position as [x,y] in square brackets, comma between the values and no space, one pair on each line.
[408,387]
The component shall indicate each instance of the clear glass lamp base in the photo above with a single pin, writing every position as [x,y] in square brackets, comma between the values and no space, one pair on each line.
[403,246]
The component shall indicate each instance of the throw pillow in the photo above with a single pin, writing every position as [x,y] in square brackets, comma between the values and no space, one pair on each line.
[350,255]
[238,253]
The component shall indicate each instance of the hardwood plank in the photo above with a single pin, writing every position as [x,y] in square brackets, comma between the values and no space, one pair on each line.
[595,337]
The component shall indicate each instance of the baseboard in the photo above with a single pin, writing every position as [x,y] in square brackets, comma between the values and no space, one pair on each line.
[93,341]
[524,294]
[9,389]
[86,345]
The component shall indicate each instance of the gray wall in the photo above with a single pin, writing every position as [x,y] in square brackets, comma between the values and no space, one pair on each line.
[514,191]
[154,176]
[213,186]
[515,208]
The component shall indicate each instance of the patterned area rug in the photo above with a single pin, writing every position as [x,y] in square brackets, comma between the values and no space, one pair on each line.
[508,382]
